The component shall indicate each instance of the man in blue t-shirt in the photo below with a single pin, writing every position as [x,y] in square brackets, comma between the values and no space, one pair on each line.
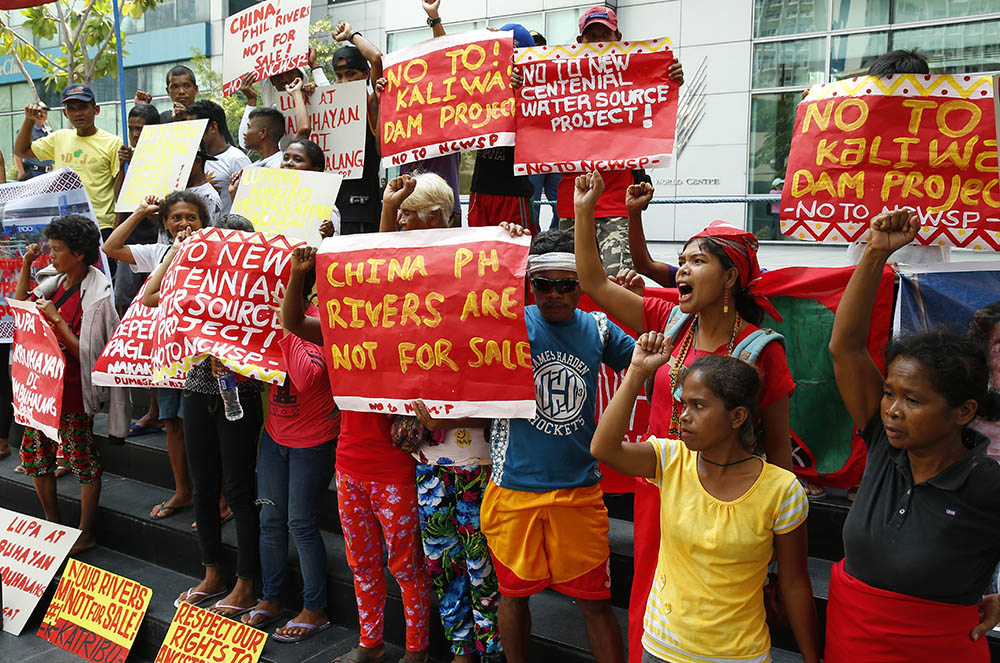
[543,512]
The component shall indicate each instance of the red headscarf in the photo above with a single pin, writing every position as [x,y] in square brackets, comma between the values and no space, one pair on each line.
[741,247]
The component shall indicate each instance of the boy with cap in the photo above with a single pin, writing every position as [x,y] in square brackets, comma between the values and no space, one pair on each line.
[600,24]
[91,152]
[543,513]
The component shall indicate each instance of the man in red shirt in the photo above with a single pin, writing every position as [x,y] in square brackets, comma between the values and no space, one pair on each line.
[600,24]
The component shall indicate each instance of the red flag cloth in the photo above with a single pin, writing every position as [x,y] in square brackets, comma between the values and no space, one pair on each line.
[864,623]
[22,4]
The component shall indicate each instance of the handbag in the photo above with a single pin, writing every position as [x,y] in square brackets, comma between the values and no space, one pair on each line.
[408,435]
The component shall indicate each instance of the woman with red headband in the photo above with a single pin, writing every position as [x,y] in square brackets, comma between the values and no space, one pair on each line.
[716,282]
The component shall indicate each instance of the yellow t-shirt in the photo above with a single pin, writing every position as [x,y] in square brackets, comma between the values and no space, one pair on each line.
[95,160]
[707,603]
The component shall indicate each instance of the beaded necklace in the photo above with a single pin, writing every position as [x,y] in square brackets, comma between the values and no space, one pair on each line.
[675,370]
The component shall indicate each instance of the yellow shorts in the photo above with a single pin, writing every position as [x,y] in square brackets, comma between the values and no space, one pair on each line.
[557,539]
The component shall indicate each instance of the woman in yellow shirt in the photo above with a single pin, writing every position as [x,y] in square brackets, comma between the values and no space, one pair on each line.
[725,513]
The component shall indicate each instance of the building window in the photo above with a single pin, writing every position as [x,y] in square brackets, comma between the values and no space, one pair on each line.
[789,17]
[772,120]
[851,55]
[955,48]
[787,63]
[860,13]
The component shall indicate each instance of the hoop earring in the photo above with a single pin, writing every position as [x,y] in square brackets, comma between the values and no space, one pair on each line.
[725,303]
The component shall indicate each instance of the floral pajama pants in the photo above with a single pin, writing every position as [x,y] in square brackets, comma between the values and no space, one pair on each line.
[458,558]
[370,513]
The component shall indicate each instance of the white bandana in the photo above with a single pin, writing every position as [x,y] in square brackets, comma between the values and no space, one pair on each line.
[554,260]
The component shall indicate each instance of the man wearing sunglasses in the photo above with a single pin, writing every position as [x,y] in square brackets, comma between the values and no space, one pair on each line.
[543,512]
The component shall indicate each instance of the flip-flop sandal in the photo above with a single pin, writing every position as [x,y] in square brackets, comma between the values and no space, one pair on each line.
[158,511]
[311,630]
[358,655]
[19,469]
[61,471]
[269,618]
[226,519]
[236,610]
[200,597]
[136,429]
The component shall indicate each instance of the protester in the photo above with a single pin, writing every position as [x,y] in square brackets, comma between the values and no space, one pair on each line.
[28,168]
[497,194]
[358,200]
[217,447]
[76,299]
[985,331]
[180,211]
[182,88]
[739,511]
[265,129]
[228,159]
[715,280]
[294,466]
[452,457]
[600,25]
[91,152]
[543,513]
[919,543]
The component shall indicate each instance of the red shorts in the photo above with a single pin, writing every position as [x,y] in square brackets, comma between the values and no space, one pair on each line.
[557,539]
[486,209]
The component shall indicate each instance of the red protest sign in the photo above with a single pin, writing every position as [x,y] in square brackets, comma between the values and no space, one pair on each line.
[216,299]
[37,365]
[595,107]
[127,359]
[269,38]
[95,614]
[436,315]
[444,95]
[866,145]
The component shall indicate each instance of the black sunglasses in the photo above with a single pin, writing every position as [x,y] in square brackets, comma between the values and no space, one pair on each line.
[562,286]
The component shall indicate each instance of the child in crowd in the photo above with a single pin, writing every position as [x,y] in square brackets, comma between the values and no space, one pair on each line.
[543,513]
[179,211]
[76,298]
[182,88]
[217,447]
[218,142]
[28,168]
[91,152]
[294,467]
[723,508]
[452,472]
[265,130]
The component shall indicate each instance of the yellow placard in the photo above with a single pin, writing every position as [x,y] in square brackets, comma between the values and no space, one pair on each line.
[197,635]
[287,202]
[161,162]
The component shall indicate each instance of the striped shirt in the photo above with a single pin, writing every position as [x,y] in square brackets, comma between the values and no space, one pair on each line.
[706,604]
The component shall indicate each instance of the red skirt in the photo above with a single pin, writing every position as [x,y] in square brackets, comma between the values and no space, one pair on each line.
[869,625]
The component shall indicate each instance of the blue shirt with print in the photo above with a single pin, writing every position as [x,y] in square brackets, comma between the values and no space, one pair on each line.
[552,451]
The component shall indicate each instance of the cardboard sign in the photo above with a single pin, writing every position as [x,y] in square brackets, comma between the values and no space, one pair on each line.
[31,551]
[337,116]
[445,95]
[216,299]
[268,38]
[161,162]
[127,359]
[866,145]
[37,366]
[27,208]
[195,634]
[287,202]
[95,614]
[595,107]
[431,314]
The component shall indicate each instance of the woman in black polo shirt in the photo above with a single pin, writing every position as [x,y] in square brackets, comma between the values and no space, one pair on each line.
[921,540]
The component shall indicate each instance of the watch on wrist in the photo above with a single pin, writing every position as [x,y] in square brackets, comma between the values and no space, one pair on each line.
[353,35]
[433,21]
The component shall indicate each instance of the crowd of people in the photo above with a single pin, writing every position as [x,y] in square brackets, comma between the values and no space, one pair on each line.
[477,515]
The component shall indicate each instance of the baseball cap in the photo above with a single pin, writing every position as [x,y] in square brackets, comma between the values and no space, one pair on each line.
[603,15]
[353,59]
[78,91]
[522,38]
[538,37]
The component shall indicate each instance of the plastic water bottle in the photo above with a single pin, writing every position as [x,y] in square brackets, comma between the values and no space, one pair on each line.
[230,397]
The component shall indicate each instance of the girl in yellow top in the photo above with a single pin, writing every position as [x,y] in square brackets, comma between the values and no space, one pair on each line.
[724,514]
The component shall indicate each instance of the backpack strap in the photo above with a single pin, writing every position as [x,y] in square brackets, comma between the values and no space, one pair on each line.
[675,323]
[749,348]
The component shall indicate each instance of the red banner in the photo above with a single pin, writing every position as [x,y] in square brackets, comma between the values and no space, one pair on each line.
[216,299]
[866,145]
[37,365]
[127,359]
[595,107]
[431,314]
[444,95]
